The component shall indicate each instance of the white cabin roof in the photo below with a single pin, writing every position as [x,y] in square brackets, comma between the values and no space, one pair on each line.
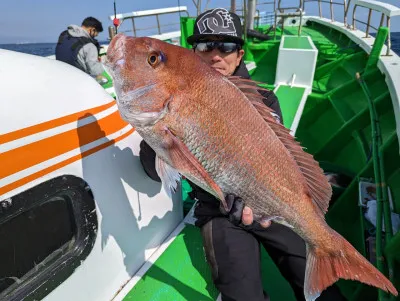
[150,12]
[30,97]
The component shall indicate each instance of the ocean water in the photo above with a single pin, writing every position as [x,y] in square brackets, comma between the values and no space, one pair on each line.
[46,49]
[41,49]
[395,38]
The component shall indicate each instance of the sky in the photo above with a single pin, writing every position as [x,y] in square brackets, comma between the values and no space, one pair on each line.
[41,21]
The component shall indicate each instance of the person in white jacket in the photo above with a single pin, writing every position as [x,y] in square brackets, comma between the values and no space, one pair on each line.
[78,47]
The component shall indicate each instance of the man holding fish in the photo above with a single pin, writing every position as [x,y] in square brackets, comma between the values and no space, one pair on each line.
[221,48]
[213,127]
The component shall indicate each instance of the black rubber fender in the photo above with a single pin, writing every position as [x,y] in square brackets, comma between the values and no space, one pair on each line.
[258,35]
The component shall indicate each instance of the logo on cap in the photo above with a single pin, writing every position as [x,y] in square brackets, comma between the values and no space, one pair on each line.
[217,21]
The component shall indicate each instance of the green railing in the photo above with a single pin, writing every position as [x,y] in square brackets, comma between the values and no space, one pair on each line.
[383,205]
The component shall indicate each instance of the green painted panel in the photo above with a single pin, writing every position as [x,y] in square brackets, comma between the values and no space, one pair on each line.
[289,100]
[187,25]
[180,273]
[265,56]
[319,123]
[187,201]
[296,43]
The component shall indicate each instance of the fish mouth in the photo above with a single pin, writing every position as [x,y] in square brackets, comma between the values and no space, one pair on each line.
[143,119]
[126,97]
[128,103]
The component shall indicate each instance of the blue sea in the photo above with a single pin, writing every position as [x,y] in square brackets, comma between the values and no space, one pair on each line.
[41,49]
[46,49]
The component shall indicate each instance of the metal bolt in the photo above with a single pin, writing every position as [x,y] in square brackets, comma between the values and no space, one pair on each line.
[7,203]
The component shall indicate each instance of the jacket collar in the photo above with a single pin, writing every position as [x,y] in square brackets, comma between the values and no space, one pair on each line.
[241,71]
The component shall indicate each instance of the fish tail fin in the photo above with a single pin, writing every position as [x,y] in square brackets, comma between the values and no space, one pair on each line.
[326,266]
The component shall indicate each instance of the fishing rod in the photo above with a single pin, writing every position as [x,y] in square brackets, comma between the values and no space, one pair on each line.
[115,21]
[179,5]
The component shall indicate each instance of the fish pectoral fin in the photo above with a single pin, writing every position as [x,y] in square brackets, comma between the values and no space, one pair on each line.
[184,161]
[282,221]
[169,176]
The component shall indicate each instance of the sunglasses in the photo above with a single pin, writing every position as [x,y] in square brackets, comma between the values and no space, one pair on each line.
[223,47]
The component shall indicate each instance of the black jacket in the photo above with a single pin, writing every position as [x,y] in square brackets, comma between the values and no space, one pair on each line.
[68,47]
[208,205]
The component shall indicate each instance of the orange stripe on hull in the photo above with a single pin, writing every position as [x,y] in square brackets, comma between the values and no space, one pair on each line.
[21,158]
[37,128]
[59,165]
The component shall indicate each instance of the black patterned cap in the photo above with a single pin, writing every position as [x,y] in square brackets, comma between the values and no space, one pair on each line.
[217,23]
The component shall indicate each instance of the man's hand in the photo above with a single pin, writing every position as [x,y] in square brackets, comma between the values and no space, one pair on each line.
[238,212]
[247,218]
[101,79]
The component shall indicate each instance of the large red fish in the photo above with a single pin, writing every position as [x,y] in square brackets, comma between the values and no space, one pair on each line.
[215,132]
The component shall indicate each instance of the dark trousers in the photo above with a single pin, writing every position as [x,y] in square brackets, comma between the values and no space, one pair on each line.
[233,254]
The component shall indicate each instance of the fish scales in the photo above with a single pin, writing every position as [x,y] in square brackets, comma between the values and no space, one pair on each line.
[247,168]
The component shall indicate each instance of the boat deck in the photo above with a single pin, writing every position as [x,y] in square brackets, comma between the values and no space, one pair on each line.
[181,273]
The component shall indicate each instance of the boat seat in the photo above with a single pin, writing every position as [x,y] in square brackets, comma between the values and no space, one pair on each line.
[295,70]
[291,100]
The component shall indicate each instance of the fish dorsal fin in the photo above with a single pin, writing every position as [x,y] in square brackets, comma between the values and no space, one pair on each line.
[317,183]
[249,87]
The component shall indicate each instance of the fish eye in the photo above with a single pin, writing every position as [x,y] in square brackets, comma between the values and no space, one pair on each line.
[153,59]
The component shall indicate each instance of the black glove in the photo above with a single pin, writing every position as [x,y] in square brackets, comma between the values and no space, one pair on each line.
[235,207]
[235,204]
